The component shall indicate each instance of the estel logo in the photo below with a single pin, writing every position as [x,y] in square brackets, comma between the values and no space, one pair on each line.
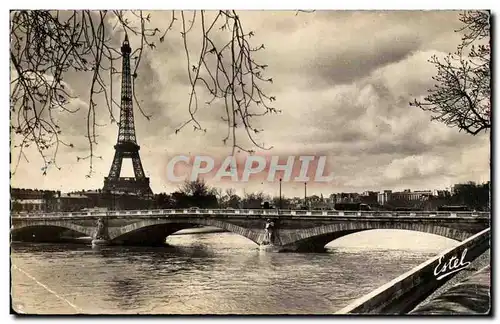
[444,269]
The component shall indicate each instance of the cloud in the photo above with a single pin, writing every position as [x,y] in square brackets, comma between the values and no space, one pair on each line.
[343,80]
[415,167]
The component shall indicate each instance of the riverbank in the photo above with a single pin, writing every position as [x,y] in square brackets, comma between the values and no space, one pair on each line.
[403,294]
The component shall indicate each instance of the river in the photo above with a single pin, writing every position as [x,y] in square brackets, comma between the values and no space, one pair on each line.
[217,273]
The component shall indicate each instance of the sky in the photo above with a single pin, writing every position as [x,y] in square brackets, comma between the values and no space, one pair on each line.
[342,80]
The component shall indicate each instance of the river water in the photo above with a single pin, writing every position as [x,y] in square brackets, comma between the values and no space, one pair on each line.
[218,273]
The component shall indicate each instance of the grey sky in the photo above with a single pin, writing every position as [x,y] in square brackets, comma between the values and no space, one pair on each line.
[342,79]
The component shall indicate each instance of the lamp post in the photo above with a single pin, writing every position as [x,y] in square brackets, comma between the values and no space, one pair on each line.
[305,194]
[280,193]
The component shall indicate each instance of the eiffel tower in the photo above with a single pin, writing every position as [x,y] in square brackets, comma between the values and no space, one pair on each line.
[126,146]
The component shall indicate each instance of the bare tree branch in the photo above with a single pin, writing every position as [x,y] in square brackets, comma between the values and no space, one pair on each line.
[237,83]
[462,91]
[48,44]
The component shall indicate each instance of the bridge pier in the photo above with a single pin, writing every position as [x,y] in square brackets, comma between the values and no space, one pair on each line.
[271,248]
[300,248]
[289,248]
[98,242]
[101,236]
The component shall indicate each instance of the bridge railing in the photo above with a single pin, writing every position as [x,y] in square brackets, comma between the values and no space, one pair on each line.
[252,212]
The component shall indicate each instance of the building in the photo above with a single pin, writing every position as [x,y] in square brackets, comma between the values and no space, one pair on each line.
[32,200]
[369,197]
[384,197]
[69,202]
[297,203]
[344,197]
[27,205]
[408,195]
[442,193]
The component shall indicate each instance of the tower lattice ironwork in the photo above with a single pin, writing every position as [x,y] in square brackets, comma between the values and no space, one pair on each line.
[126,146]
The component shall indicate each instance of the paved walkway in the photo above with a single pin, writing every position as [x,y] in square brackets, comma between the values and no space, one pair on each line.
[468,297]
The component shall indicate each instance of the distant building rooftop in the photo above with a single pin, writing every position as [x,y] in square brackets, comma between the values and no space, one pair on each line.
[73,196]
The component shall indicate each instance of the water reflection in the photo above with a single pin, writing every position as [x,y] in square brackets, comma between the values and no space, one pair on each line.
[201,274]
[127,292]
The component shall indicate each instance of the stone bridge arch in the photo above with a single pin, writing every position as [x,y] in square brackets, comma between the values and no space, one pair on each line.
[317,237]
[41,229]
[154,231]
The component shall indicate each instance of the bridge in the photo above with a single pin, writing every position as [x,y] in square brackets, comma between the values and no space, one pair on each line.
[275,230]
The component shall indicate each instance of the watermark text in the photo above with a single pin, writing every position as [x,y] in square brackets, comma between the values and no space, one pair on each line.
[295,168]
